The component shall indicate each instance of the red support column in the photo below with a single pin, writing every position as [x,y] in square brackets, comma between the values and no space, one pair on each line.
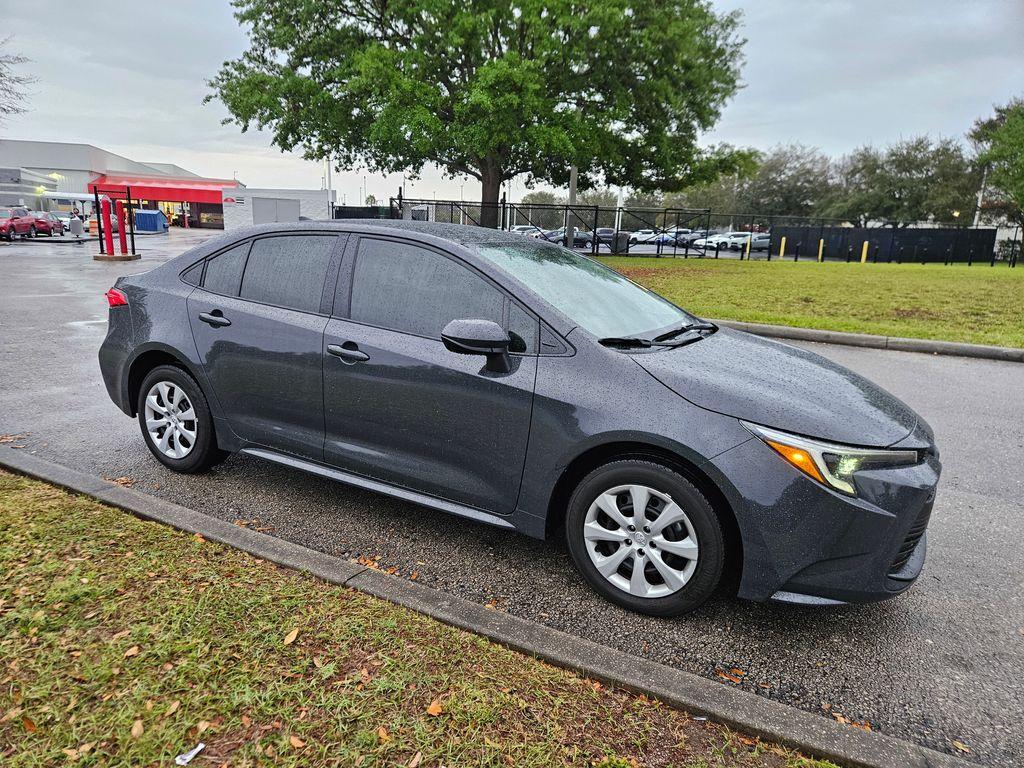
[122,236]
[108,235]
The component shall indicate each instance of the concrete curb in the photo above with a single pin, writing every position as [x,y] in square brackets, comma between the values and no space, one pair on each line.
[758,716]
[928,346]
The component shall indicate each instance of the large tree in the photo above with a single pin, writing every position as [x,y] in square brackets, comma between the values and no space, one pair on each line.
[787,179]
[999,140]
[494,90]
[917,179]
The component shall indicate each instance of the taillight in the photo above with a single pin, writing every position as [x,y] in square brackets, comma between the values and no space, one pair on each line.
[116,298]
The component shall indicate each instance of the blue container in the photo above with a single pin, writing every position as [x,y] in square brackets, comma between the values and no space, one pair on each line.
[150,221]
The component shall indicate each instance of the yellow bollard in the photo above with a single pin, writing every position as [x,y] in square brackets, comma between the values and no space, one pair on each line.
[749,241]
[864,253]
[782,247]
[821,250]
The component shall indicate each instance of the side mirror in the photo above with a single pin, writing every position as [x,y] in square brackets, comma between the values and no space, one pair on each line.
[479,337]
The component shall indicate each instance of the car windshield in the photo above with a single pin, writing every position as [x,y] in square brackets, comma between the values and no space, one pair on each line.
[601,300]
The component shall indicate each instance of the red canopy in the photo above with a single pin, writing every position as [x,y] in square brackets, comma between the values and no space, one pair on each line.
[176,189]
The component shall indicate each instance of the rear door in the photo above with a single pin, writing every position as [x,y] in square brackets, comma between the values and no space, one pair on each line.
[402,408]
[258,320]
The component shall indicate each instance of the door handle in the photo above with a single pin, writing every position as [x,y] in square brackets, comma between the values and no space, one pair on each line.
[214,318]
[349,352]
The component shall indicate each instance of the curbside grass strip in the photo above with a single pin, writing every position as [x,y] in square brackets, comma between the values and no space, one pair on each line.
[756,715]
[927,346]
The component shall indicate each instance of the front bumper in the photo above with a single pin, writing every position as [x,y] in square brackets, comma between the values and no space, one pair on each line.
[804,543]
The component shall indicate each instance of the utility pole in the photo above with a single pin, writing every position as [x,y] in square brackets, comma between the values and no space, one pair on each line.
[330,197]
[981,196]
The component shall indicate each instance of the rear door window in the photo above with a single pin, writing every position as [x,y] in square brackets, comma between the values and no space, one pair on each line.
[288,271]
[224,271]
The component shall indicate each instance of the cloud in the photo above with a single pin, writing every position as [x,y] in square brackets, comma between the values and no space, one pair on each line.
[829,73]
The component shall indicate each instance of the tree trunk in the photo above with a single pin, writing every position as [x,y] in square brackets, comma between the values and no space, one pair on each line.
[490,210]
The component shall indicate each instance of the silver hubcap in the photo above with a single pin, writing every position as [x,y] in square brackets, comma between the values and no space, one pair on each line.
[641,541]
[170,420]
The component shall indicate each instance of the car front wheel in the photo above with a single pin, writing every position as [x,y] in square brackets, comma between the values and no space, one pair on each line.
[645,538]
[176,422]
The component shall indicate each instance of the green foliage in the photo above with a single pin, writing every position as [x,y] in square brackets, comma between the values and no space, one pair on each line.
[913,180]
[787,179]
[1002,142]
[491,89]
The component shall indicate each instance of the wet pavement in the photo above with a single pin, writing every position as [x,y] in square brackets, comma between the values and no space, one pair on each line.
[939,664]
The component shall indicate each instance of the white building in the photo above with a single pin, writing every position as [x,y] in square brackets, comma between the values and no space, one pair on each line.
[245,207]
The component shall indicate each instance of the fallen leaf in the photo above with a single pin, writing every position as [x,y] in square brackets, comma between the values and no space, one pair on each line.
[84,749]
[726,676]
[382,734]
[413,576]
[435,708]
[133,651]
[71,753]
[961,747]
[175,706]
[29,724]
[202,725]
[318,662]
[290,637]
[137,729]
[246,721]
[296,742]
[416,760]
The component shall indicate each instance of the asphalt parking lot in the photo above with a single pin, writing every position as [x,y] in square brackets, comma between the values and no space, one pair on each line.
[939,664]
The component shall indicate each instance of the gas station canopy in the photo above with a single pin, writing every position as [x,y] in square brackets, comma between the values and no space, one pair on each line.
[185,189]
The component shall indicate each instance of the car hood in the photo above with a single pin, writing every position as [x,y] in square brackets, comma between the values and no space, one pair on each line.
[776,385]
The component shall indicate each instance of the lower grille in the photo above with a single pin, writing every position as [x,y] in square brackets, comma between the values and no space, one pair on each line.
[913,537]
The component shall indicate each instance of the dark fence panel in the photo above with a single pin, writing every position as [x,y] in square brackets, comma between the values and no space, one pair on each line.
[925,245]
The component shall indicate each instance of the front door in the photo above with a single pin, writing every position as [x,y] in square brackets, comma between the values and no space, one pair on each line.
[258,324]
[399,406]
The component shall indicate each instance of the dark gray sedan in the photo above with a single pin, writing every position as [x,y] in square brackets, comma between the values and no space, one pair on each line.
[517,383]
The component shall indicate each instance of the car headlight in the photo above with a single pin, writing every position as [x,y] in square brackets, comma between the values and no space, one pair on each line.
[829,463]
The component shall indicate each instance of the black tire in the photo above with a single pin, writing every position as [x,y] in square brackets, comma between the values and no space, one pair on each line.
[706,527]
[204,453]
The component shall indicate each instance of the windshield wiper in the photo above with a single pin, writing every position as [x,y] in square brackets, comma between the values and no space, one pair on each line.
[700,325]
[625,342]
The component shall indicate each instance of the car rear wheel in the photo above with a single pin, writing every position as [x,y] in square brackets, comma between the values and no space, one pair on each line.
[32,231]
[645,538]
[176,422]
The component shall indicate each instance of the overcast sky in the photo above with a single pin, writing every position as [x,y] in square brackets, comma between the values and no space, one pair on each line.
[829,73]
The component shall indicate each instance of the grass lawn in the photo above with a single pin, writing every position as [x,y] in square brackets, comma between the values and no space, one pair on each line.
[123,642]
[978,304]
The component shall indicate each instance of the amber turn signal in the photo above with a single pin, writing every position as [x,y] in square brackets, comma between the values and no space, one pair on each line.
[799,458]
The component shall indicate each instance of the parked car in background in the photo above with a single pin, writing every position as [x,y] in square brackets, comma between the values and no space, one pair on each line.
[65,219]
[721,240]
[48,224]
[761,242]
[542,392]
[580,238]
[737,241]
[16,221]
[642,236]
[530,230]
[606,235]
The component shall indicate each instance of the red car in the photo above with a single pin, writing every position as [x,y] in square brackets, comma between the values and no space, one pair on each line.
[47,223]
[16,221]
